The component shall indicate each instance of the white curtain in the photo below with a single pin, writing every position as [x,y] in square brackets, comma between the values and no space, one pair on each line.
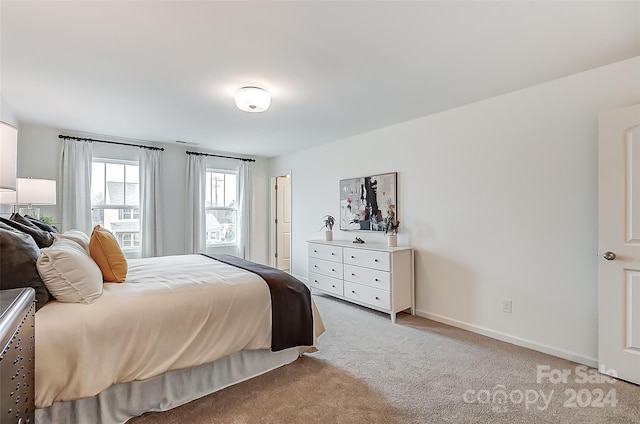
[195,198]
[150,207]
[245,174]
[74,195]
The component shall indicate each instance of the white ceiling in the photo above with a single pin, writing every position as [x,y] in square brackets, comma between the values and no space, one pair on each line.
[165,71]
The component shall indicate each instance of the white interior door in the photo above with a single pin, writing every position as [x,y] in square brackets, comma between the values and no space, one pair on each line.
[619,243]
[283,223]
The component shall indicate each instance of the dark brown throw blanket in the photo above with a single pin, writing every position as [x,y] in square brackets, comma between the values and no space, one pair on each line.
[291,316]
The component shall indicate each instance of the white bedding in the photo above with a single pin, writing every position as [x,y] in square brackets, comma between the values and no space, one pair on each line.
[172,312]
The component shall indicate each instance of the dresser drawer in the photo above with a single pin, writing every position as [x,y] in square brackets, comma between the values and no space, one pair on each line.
[369,295]
[323,282]
[326,252]
[367,258]
[320,266]
[367,277]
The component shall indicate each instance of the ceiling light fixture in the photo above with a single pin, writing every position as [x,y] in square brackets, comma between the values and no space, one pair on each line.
[253,99]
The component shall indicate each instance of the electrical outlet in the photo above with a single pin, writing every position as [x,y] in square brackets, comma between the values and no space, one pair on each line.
[506,305]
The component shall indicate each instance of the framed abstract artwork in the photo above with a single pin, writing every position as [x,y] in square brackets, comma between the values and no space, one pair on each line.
[366,201]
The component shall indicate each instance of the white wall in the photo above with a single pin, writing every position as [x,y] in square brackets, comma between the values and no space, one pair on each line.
[6,113]
[498,197]
[39,156]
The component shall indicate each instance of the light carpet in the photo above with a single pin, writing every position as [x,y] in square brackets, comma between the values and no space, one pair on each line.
[415,371]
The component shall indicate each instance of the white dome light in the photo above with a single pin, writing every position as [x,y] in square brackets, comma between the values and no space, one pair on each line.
[253,99]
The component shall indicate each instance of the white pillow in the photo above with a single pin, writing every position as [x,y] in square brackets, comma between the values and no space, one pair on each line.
[76,235]
[69,272]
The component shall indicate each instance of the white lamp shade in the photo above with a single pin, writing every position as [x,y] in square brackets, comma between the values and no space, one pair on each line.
[8,157]
[33,191]
[8,198]
[253,99]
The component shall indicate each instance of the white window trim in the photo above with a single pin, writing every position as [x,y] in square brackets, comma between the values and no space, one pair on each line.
[122,162]
[129,251]
[222,208]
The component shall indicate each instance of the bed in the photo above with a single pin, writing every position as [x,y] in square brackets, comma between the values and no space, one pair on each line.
[178,328]
[115,338]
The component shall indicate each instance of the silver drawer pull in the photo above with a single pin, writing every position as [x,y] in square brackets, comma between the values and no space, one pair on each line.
[353,291]
[353,274]
[315,251]
[377,279]
[333,270]
[315,266]
[333,254]
[353,257]
[333,285]
[377,298]
[375,260]
[315,281]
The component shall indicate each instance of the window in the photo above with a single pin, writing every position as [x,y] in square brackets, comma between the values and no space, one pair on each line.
[115,201]
[221,207]
[129,214]
[129,239]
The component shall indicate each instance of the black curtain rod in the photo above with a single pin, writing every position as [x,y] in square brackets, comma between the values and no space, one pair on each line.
[220,156]
[68,137]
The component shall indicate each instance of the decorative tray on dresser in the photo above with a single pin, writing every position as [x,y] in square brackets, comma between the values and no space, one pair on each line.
[369,274]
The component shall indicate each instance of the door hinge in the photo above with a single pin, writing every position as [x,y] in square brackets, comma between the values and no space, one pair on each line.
[276,220]
[276,187]
[276,254]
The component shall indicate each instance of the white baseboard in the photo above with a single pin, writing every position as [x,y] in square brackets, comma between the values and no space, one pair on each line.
[518,341]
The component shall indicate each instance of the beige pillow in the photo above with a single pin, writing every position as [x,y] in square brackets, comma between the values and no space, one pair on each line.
[69,272]
[76,235]
[105,250]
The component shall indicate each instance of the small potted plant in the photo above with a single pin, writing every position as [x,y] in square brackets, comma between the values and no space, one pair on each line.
[328,225]
[391,225]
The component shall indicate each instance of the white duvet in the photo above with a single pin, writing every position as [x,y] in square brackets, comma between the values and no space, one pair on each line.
[172,312]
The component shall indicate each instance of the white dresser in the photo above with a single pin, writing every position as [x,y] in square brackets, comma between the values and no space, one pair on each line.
[370,274]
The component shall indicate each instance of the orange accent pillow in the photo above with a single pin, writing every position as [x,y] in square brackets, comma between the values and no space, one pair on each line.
[106,252]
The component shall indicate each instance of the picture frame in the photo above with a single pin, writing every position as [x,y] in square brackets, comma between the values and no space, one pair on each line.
[366,201]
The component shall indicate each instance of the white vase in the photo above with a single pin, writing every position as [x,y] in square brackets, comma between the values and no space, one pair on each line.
[392,240]
[328,235]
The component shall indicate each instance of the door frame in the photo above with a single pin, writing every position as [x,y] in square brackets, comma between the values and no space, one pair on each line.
[272,217]
[611,345]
